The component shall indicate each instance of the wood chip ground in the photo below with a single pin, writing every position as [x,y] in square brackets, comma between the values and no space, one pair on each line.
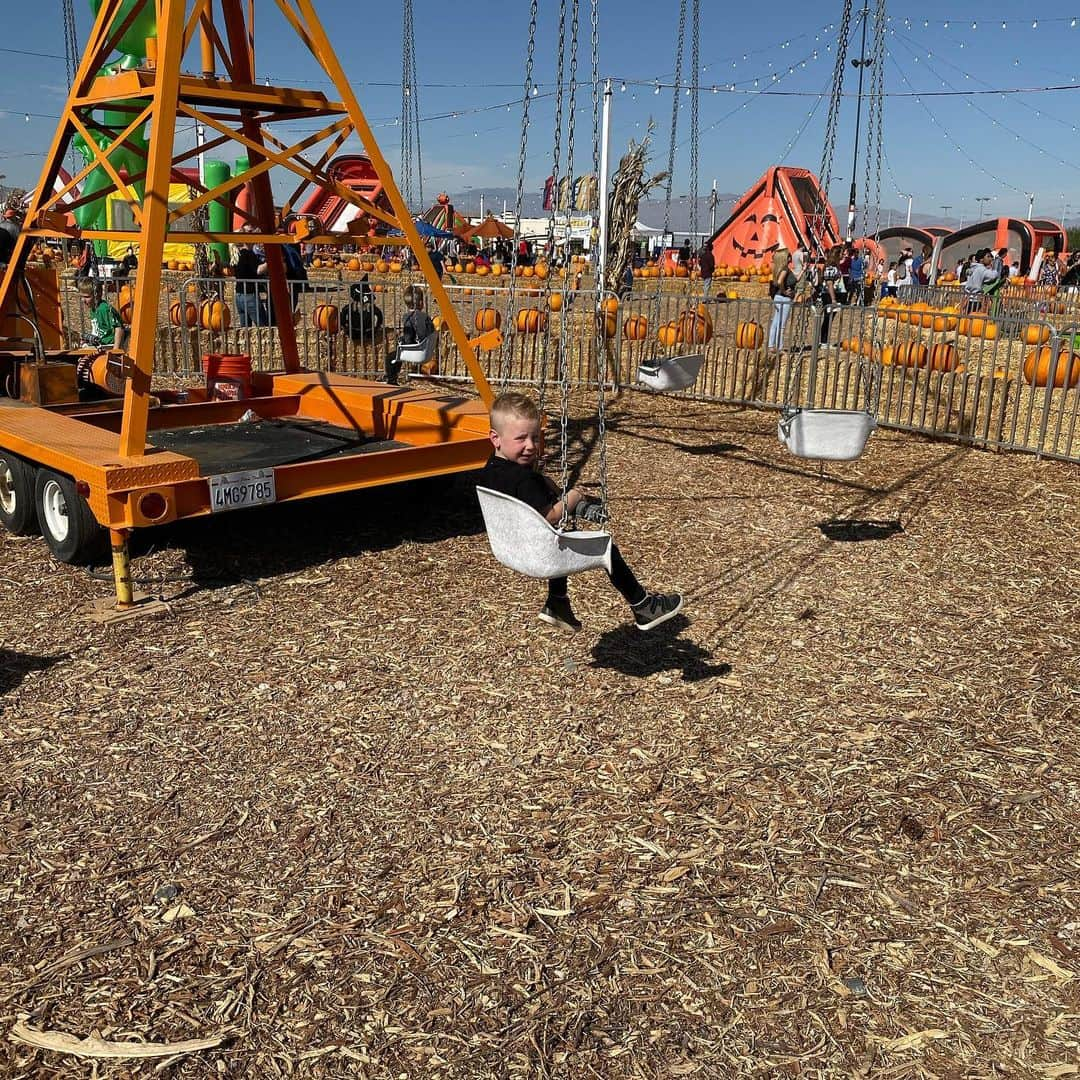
[351,806]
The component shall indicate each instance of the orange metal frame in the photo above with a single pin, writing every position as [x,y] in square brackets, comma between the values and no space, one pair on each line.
[109,451]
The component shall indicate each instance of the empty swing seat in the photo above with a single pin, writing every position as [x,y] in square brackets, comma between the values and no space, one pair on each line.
[826,434]
[523,540]
[420,353]
[672,372]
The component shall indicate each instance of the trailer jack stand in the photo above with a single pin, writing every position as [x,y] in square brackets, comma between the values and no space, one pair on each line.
[129,604]
[121,564]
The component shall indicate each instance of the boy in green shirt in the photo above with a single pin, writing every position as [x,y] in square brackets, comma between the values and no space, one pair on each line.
[107,329]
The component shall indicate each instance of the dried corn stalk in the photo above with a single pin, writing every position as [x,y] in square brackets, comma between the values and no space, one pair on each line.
[628,188]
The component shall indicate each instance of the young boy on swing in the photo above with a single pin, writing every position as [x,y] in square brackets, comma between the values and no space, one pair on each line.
[515,435]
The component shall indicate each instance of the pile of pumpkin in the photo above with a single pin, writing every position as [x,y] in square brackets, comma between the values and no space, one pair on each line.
[178,264]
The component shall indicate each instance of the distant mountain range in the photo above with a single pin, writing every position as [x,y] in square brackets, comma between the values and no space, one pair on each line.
[652,209]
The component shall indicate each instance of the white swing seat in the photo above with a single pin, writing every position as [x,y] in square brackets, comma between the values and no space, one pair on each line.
[420,353]
[671,372]
[523,540]
[826,434]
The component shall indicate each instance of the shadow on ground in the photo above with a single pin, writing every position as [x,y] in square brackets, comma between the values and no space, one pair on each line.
[627,650]
[856,530]
[15,666]
[290,537]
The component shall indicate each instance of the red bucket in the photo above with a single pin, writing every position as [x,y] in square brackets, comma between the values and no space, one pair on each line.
[228,375]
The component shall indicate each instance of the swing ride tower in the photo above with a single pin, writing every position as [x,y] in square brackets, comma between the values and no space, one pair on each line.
[105,461]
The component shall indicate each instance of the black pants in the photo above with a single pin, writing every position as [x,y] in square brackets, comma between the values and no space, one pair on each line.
[393,367]
[622,577]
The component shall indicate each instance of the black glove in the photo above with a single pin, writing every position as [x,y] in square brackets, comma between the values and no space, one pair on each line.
[590,511]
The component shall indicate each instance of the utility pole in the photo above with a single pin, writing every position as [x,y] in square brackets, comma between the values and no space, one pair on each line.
[908,197]
[713,198]
[1031,203]
[861,64]
[945,210]
[980,199]
[602,237]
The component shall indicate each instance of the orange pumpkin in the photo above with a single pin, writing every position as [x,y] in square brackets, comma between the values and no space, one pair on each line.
[669,334]
[944,357]
[749,335]
[610,325]
[636,328]
[395,267]
[1036,334]
[541,270]
[470,268]
[555,301]
[530,320]
[696,326]
[487,318]
[186,315]
[353,264]
[1038,364]
[382,266]
[325,318]
[610,305]
[125,301]
[527,271]
[215,315]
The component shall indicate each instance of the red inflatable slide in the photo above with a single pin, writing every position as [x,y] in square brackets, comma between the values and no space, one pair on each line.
[785,208]
[353,171]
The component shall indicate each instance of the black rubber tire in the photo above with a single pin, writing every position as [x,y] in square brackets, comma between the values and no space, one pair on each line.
[18,509]
[83,540]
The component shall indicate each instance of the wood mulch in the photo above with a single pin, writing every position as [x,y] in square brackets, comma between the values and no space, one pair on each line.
[348,810]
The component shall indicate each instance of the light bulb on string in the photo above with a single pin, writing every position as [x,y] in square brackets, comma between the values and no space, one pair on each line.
[946,24]
[656,89]
[623,87]
[1072,24]
[1003,26]
[974,26]
[1034,24]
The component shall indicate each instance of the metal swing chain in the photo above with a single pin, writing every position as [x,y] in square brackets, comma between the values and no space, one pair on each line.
[695,62]
[564,367]
[679,42]
[507,359]
[415,95]
[555,192]
[406,111]
[601,373]
[832,121]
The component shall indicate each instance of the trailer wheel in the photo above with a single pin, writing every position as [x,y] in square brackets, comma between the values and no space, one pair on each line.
[70,530]
[17,511]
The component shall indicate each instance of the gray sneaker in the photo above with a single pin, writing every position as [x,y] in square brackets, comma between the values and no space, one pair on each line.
[655,609]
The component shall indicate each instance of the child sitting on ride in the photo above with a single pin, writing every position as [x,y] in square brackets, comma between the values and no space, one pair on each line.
[107,329]
[511,469]
[415,328]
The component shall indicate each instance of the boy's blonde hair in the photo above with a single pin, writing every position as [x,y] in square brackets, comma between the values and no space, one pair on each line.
[513,405]
[91,289]
[414,297]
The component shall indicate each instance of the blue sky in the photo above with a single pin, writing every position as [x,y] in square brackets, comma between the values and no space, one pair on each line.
[944,150]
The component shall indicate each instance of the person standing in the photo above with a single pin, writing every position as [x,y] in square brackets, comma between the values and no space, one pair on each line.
[982,281]
[706,265]
[782,290]
[249,271]
[830,291]
[857,277]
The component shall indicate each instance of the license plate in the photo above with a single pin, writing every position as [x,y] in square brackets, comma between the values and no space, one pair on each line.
[235,491]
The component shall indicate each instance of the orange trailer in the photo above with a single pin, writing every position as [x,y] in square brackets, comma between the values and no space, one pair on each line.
[76,470]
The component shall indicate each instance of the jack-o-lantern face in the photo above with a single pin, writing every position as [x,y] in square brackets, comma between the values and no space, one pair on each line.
[756,237]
